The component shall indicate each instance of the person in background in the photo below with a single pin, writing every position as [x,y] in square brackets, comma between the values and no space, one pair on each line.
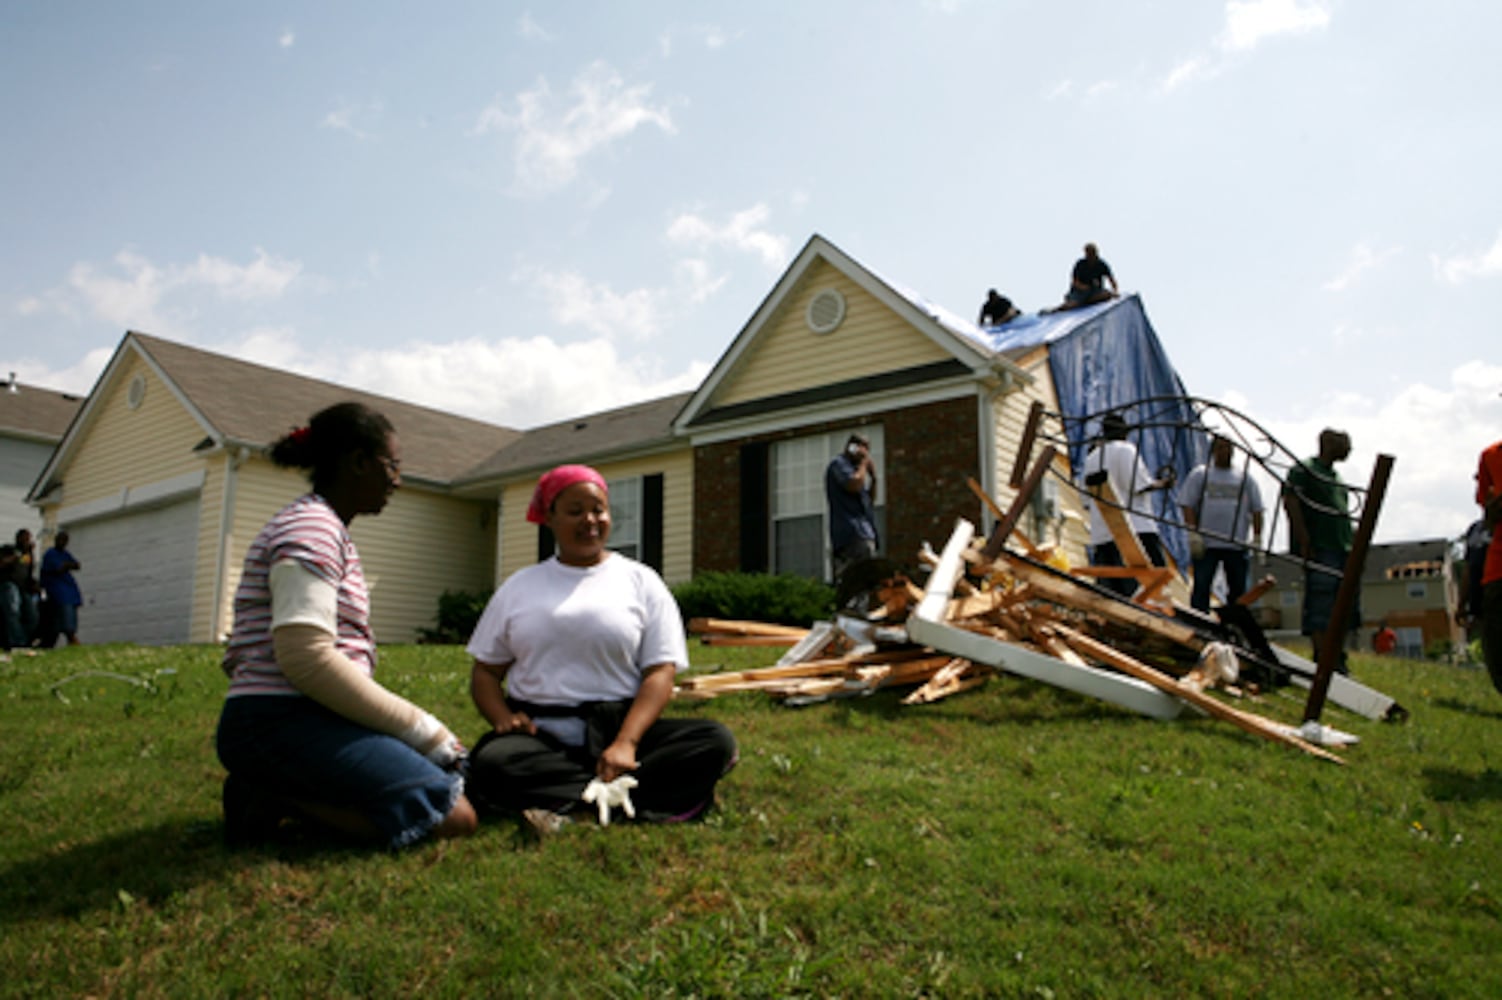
[1114,459]
[1219,504]
[18,590]
[1384,640]
[63,596]
[306,730]
[850,491]
[575,658]
[997,309]
[1489,496]
[1320,532]
[1087,282]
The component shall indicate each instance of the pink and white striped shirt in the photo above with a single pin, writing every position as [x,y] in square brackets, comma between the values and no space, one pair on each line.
[306,530]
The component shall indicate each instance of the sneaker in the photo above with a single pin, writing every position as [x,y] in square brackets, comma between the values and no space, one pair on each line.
[544,822]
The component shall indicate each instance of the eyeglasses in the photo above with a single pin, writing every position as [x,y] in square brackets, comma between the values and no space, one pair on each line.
[393,466]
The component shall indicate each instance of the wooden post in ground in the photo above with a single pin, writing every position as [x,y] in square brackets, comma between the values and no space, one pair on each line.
[1350,586]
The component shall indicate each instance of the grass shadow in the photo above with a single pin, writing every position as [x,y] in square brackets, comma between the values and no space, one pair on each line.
[1468,707]
[151,864]
[1452,785]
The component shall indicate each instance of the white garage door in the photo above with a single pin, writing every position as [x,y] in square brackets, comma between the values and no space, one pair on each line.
[137,575]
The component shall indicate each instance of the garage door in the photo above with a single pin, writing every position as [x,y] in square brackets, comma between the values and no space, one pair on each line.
[137,575]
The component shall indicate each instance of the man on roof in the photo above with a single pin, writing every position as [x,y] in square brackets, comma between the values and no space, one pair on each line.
[1087,283]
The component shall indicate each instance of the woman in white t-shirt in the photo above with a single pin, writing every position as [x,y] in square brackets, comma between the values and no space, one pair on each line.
[306,731]
[575,659]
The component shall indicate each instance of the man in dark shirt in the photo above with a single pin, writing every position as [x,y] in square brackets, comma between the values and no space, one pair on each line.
[850,489]
[997,309]
[1087,284]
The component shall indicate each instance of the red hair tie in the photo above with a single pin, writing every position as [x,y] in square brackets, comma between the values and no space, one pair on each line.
[300,435]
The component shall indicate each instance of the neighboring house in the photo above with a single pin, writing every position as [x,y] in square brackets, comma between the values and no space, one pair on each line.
[162,481]
[1407,585]
[32,422]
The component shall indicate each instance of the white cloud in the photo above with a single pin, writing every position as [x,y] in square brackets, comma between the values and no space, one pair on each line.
[286,39]
[517,382]
[356,119]
[1363,259]
[137,293]
[1195,68]
[528,27]
[552,140]
[1461,267]
[745,232]
[1434,435]
[574,300]
[1249,22]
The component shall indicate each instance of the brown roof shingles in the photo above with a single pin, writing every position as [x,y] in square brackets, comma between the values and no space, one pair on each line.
[252,404]
[32,412]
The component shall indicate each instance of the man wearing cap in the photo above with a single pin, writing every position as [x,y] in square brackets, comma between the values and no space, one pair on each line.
[1117,461]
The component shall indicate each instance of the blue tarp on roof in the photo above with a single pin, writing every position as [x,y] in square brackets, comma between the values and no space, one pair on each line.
[1107,357]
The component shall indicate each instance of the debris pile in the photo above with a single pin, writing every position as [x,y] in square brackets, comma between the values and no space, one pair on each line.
[985,608]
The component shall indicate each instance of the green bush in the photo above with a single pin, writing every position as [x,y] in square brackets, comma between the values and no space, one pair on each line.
[459,612]
[762,597]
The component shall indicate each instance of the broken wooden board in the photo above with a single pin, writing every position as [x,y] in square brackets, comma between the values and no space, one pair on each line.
[929,626]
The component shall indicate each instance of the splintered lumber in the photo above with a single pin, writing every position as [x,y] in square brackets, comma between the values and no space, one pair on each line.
[731,678]
[949,680]
[1062,589]
[1246,720]
[725,626]
[999,514]
[929,626]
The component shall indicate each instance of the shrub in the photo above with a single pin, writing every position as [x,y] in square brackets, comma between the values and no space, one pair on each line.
[458,613]
[763,597]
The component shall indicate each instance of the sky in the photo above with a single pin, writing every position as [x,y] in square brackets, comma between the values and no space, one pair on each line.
[526,212]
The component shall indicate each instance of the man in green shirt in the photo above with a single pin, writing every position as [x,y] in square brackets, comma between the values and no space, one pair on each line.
[1320,531]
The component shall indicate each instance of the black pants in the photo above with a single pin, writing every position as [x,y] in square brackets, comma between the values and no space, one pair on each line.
[681,761]
[1107,554]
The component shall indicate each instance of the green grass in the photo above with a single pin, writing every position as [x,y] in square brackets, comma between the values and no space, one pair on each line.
[1013,841]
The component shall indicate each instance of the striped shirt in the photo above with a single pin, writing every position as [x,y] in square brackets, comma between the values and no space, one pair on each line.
[309,532]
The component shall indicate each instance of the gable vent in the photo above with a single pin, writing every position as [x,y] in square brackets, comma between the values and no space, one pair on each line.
[135,392]
[826,311]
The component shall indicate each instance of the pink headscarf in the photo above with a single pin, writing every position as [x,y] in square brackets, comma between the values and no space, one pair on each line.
[554,482]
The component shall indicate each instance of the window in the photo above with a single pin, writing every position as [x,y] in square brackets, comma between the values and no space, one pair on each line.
[626,516]
[1418,590]
[799,512]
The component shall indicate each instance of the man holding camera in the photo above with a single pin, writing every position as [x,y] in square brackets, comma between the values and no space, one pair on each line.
[850,488]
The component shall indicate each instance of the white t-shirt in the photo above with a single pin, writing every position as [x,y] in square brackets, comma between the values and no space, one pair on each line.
[1225,500]
[1128,476]
[580,633]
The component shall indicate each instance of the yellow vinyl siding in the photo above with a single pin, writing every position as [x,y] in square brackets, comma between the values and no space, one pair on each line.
[211,504]
[788,356]
[125,447]
[1010,414]
[422,544]
[519,539]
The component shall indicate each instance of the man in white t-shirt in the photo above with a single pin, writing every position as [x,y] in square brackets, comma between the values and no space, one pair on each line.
[1130,479]
[1220,502]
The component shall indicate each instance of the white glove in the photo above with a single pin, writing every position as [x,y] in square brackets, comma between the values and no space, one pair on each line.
[607,794]
[434,741]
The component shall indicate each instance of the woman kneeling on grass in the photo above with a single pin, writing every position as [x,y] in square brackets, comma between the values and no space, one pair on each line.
[306,730]
[587,643]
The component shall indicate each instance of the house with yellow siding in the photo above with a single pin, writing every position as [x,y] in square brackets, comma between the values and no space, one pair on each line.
[163,478]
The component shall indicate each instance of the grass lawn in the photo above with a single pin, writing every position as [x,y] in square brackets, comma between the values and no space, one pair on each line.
[1013,841]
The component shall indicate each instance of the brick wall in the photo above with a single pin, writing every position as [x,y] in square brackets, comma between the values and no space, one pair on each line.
[930,450]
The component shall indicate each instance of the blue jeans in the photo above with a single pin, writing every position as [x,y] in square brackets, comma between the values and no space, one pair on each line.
[20,611]
[295,748]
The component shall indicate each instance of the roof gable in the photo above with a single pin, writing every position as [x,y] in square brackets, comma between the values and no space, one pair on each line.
[955,339]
